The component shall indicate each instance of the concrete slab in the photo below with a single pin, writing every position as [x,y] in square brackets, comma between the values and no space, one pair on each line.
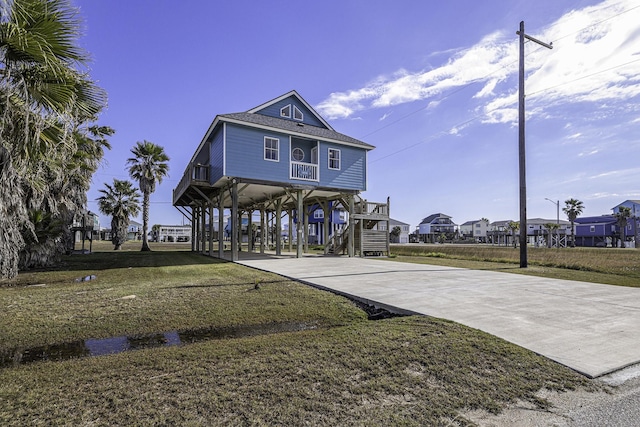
[591,328]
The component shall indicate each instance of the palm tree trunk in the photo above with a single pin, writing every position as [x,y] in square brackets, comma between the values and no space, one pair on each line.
[145,222]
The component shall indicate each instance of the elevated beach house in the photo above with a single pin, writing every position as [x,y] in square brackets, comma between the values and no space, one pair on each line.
[279,158]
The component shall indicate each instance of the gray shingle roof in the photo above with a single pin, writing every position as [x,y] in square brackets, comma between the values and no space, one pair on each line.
[293,127]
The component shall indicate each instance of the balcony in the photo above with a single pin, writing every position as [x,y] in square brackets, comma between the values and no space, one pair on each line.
[194,175]
[304,171]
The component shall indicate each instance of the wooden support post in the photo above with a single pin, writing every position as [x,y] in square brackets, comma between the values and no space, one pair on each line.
[240,231]
[203,227]
[250,230]
[300,214]
[193,229]
[351,243]
[289,236]
[326,211]
[306,229]
[211,229]
[278,227]
[221,225]
[234,221]
[263,229]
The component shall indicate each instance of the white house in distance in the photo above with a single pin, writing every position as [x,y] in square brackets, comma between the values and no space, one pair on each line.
[404,230]
[174,233]
[475,229]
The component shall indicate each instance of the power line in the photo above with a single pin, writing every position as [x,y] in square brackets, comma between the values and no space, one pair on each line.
[487,113]
[479,79]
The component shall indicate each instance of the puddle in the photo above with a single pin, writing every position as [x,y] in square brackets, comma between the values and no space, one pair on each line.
[100,347]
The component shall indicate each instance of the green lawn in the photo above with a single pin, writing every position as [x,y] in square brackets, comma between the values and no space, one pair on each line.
[345,371]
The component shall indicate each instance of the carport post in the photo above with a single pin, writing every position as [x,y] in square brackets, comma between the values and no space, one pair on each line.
[278,227]
[352,234]
[299,225]
[234,221]
[221,225]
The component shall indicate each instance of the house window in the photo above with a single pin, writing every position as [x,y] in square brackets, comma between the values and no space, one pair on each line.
[592,229]
[334,159]
[297,114]
[271,146]
[286,111]
[318,214]
[297,154]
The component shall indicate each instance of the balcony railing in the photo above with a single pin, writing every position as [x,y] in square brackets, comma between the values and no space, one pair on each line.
[304,171]
[193,174]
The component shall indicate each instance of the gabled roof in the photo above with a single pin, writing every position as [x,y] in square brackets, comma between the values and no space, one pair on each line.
[254,119]
[291,127]
[430,218]
[396,222]
[287,95]
[596,220]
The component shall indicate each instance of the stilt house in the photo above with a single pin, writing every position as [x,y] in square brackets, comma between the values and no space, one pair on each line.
[279,158]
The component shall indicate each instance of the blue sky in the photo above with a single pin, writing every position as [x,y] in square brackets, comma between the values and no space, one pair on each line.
[433,85]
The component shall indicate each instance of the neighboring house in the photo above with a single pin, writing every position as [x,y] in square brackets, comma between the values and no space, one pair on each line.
[279,157]
[476,230]
[537,232]
[596,231]
[338,219]
[173,233]
[434,226]
[134,230]
[632,231]
[499,233]
[634,205]
[403,237]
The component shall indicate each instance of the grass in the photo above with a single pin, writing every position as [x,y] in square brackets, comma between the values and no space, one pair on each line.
[596,265]
[348,371]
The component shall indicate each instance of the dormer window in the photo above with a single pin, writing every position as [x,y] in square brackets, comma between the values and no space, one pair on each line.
[286,111]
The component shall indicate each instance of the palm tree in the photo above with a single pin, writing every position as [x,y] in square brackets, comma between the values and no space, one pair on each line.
[514,226]
[551,228]
[42,98]
[573,208]
[148,167]
[623,214]
[120,201]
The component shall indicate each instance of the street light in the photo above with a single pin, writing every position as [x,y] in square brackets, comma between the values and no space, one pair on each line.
[557,221]
[521,146]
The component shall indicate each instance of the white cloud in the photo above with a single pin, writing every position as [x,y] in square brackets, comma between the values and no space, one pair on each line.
[384,116]
[592,61]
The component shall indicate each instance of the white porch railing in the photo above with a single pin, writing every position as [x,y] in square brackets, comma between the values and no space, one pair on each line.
[304,171]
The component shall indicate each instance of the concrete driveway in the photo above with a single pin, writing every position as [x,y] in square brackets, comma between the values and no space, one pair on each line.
[591,328]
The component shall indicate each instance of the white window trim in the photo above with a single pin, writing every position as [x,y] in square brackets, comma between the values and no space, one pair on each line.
[329,158]
[277,149]
[282,114]
[296,111]
[294,150]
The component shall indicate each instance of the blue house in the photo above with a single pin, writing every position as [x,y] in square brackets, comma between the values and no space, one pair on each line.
[596,231]
[434,226]
[278,158]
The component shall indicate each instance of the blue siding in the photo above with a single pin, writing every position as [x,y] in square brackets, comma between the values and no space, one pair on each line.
[216,150]
[245,154]
[352,168]
[245,159]
[274,111]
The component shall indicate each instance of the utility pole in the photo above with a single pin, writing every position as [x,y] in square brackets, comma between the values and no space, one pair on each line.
[521,147]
